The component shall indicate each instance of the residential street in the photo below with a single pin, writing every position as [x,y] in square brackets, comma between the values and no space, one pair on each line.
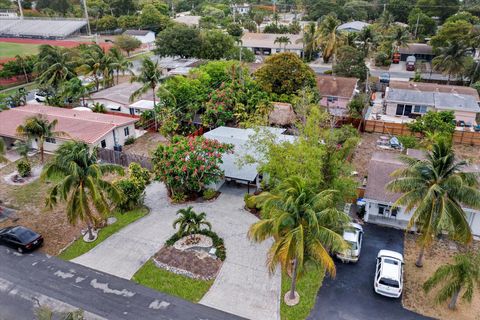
[351,296]
[63,286]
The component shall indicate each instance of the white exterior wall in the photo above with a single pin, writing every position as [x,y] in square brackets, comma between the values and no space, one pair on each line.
[391,108]
[148,38]
[465,116]
[275,50]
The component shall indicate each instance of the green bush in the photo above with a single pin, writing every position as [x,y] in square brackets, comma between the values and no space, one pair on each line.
[408,142]
[209,194]
[382,59]
[249,201]
[24,168]
[133,187]
[217,241]
[129,140]
[179,197]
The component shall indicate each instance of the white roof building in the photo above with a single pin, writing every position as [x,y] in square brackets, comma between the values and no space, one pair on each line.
[353,26]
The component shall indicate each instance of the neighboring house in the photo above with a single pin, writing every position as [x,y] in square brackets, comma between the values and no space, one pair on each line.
[240,8]
[191,21]
[408,100]
[96,129]
[379,201]
[178,66]
[420,51]
[246,174]
[117,98]
[144,36]
[336,93]
[264,43]
[354,26]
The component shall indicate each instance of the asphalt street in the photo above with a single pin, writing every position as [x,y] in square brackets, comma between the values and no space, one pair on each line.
[350,296]
[29,280]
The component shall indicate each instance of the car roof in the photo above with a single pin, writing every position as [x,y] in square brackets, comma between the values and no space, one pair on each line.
[350,235]
[390,271]
[356,226]
[390,254]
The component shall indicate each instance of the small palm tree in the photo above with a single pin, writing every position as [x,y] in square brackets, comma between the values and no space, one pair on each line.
[304,225]
[463,274]
[452,59]
[150,76]
[328,36]
[283,40]
[80,185]
[399,37]
[99,107]
[368,38]
[190,222]
[95,62]
[39,128]
[436,188]
[120,63]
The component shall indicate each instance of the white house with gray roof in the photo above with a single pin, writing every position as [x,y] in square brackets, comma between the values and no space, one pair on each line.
[268,44]
[353,26]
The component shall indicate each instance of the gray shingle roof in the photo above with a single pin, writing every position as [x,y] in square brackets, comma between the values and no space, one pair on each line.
[456,102]
[410,96]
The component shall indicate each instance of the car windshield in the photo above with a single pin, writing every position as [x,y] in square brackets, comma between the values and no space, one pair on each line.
[391,261]
[353,245]
[389,282]
[25,235]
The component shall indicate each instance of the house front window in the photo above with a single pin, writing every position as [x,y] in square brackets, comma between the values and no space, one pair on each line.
[126,131]
[403,110]
[332,99]
[420,109]
[103,144]
[51,140]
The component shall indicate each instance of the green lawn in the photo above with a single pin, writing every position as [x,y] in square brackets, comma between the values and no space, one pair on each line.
[307,288]
[10,49]
[176,285]
[80,247]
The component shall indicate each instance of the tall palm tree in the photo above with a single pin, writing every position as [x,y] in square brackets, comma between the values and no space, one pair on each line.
[258,18]
[463,274]
[190,222]
[451,60]
[120,63]
[39,128]
[368,38]
[150,76]
[95,62]
[399,37]
[304,225]
[435,189]
[283,40]
[74,90]
[55,65]
[80,185]
[3,150]
[328,36]
[309,40]
[386,19]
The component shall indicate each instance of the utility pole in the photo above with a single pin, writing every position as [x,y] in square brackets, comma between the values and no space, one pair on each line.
[384,7]
[89,31]
[20,8]
[416,25]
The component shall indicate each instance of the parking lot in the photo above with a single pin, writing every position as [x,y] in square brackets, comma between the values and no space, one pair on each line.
[350,296]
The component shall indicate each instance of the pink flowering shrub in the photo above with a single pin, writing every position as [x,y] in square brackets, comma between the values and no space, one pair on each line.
[219,107]
[189,164]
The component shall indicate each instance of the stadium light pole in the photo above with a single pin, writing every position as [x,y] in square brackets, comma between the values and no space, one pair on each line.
[86,17]
[20,8]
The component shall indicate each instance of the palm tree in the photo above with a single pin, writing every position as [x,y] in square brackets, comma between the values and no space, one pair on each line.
[368,38]
[95,62]
[258,18]
[55,65]
[399,37]
[463,274]
[436,188]
[74,90]
[328,36]
[309,40]
[80,185]
[3,150]
[39,128]
[150,76]
[304,225]
[190,222]
[120,63]
[22,62]
[99,107]
[386,19]
[283,40]
[451,60]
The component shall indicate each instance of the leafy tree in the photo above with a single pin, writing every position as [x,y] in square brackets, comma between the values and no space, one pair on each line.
[420,24]
[433,122]
[214,44]
[60,6]
[178,40]
[21,65]
[127,43]
[452,32]
[128,22]
[152,19]
[3,150]
[106,23]
[355,10]
[356,106]
[149,76]
[452,59]
[464,15]
[463,274]
[399,9]
[328,36]
[122,7]
[305,227]
[320,8]
[350,63]
[439,8]
[133,187]
[235,30]
[39,128]
[285,73]
[219,108]
[435,189]
[78,180]
[190,222]
[188,165]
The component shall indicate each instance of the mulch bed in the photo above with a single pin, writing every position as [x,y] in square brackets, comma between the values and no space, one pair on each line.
[206,268]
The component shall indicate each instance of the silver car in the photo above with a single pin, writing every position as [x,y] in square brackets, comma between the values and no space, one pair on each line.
[353,235]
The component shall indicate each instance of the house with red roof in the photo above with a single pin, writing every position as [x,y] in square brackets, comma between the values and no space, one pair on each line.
[96,129]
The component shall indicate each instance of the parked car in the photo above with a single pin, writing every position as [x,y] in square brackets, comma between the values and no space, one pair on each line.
[20,238]
[410,63]
[389,274]
[41,96]
[353,236]
[396,58]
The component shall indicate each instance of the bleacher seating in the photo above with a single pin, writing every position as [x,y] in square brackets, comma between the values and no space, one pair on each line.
[39,28]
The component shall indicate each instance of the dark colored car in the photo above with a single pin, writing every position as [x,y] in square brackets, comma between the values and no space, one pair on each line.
[20,238]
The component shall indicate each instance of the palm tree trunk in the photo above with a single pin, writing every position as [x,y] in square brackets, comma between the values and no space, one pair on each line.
[40,146]
[419,262]
[90,232]
[448,79]
[118,71]
[453,303]
[294,280]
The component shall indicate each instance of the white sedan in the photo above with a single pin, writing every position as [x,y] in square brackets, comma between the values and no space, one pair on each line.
[353,235]
[389,274]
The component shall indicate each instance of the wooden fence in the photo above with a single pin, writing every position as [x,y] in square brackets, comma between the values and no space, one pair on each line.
[459,137]
[123,159]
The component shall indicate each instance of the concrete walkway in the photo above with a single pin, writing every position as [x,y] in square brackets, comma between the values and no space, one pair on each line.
[243,286]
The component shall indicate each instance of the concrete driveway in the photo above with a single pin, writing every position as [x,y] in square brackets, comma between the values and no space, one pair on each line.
[350,296]
[243,287]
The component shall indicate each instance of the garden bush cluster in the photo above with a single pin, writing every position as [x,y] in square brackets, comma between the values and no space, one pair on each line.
[24,168]
[133,187]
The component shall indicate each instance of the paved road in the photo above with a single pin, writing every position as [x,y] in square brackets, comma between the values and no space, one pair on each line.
[65,286]
[350,296]
[243,285]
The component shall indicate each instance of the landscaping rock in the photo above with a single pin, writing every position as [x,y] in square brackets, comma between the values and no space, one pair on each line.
[111,220]
[194,240]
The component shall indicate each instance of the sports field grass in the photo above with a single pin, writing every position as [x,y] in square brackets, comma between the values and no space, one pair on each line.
[11,49]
